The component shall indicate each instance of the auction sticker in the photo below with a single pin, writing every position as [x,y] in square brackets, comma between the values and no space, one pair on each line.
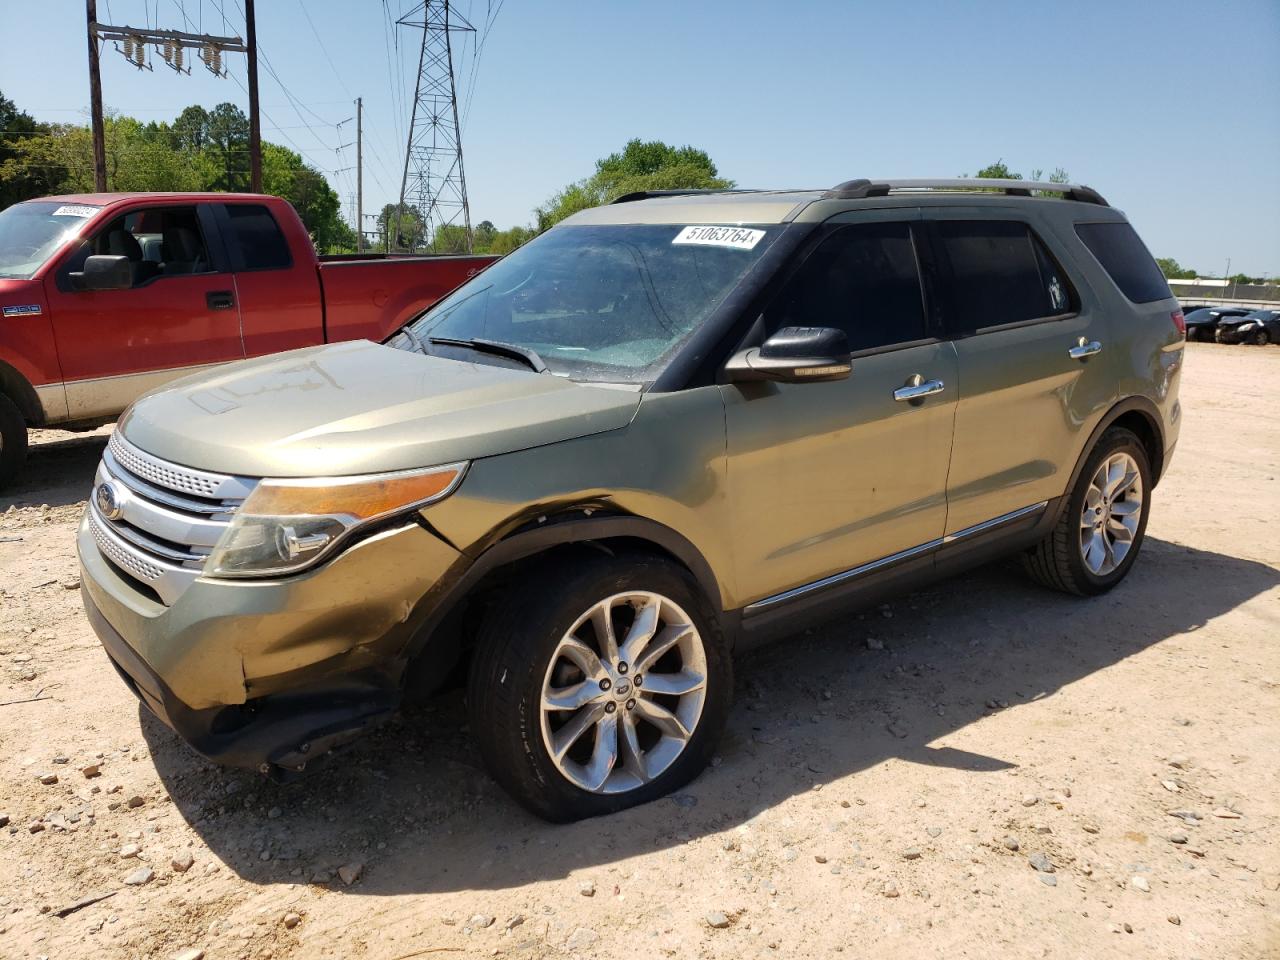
[75,210]
[739,238]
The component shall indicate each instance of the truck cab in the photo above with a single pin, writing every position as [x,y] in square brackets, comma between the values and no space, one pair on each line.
[104,297]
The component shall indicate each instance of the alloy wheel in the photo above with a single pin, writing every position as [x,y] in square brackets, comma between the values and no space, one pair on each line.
[623,693]
[1111,514]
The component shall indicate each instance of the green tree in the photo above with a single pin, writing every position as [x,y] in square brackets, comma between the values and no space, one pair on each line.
[482,236]
[640,165]
[19,178]
[407,232]
[998,171]
[1174,270]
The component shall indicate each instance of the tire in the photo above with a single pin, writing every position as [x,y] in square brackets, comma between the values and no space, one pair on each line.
[13,440]
[1260,338]
[519,652]
[1061,560]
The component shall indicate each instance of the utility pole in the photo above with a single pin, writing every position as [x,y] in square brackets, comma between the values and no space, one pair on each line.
[359,174]
[255,130]
[170,45]
[95,101]
[434,180]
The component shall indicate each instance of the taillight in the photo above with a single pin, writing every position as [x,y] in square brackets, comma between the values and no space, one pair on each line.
[1180,322]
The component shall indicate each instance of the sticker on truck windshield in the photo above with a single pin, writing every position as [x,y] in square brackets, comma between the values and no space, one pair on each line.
[23,310]
[739,238]
[75,210]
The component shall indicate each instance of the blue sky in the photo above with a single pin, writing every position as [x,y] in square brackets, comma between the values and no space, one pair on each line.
[1171,109]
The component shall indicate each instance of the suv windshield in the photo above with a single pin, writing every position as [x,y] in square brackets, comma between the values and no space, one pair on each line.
[603,303]
[30,233]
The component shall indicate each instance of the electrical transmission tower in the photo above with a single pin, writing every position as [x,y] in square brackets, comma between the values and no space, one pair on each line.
[434,181]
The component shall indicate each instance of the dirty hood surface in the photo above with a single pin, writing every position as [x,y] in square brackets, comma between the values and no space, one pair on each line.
[360,407]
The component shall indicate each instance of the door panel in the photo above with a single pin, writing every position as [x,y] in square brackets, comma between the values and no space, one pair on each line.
[1025,404]
[113,344]
[277,282]
[825,477]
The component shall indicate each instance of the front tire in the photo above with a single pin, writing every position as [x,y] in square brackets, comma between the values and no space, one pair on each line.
[1261,338]
[13,440]
[599,686]
[1101,528]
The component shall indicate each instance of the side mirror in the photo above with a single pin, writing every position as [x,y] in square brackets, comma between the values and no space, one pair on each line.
[103,272]
[793,355]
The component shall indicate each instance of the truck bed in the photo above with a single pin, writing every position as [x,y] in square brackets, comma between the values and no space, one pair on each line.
[368,296]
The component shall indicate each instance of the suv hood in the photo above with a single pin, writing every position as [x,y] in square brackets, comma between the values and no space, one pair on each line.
[360,407]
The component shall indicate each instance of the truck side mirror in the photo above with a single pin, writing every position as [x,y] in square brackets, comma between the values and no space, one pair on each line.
[104,272]
[793,355]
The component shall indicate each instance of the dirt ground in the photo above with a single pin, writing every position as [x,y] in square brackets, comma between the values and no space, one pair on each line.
[886,787]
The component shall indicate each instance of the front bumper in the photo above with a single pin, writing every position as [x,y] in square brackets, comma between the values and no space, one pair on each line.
[271,672]
[1233,334]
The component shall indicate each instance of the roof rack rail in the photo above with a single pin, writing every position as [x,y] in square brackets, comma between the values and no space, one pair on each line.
[861,189]
[651,194]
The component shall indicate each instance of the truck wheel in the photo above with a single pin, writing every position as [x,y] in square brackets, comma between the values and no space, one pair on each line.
[599,686]
[1100,531]
[13,440]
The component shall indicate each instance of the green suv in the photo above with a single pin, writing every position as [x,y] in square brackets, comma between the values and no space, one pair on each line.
[664,430]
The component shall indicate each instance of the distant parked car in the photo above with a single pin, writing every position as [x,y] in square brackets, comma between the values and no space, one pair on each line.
[1202,323]
[1259,327]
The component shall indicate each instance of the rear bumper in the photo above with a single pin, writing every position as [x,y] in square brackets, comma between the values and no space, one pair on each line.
[255,673]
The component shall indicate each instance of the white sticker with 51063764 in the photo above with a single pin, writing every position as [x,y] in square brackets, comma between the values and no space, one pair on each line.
[739,238]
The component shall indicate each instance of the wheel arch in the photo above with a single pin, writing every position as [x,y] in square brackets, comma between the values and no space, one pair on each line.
[1138,415]
[17,388]
[440,642]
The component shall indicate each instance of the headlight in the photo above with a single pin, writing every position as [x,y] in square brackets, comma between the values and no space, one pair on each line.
[288,525]
[1246,326]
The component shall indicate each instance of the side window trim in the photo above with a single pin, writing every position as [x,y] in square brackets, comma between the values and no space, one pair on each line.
[946,284]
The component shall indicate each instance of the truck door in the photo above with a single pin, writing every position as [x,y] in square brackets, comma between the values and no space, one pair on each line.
[277,283]
[180,313]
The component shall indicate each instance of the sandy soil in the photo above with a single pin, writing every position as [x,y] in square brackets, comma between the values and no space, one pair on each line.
[884,788]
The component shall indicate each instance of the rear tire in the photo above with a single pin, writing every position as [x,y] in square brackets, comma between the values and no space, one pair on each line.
[520,665]
[13,440]
[1071,558]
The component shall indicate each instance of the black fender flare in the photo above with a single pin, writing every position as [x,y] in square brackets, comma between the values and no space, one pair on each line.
[1149,412]
[571,527]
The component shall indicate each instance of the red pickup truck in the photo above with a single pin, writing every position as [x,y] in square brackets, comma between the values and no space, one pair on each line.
[106,296]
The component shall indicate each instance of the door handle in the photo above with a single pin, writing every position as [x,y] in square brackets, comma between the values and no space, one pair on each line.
[917,388]
[1084,349]
[220,299]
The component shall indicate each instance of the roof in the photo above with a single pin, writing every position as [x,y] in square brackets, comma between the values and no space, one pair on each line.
[785,206]
[107,199]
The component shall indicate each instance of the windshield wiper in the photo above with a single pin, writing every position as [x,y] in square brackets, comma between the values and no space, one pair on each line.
[498,348]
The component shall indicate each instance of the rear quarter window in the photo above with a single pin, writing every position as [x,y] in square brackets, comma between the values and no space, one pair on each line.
[256,239]
[1126,260]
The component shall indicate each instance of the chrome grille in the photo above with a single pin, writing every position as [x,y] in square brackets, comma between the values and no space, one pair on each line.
[167,517]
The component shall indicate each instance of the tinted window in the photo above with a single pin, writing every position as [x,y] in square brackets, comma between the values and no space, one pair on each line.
[1126,260]
[863,280]
[1000,274]
[256,238]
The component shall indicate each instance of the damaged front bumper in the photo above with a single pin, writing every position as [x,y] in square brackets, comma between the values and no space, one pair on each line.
[267,674]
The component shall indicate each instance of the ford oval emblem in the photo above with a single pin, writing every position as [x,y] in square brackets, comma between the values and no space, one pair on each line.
[109,498]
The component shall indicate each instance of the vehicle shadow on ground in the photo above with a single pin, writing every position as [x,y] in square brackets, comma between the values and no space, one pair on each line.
[413,805]
[58,472]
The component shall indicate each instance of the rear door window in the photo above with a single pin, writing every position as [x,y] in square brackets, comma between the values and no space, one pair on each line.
[1126,259]
[257,243]
[862,279]
[1000,273]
